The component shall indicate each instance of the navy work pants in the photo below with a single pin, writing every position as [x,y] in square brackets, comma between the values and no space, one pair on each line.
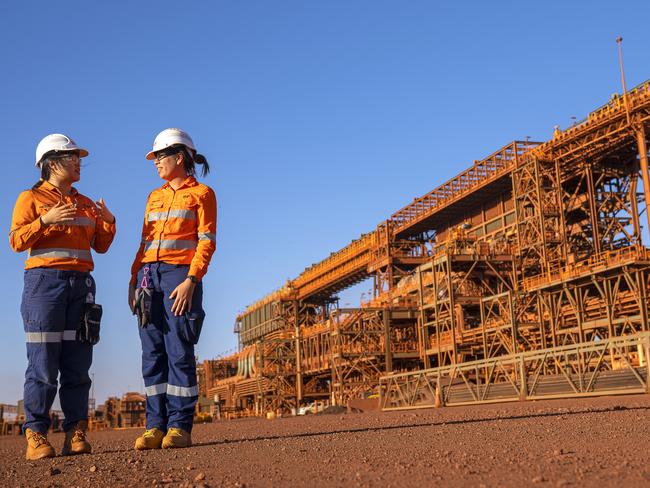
[52,307]
[168,362]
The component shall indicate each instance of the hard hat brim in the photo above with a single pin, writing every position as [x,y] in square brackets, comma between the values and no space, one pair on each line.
[82,154]
[151,155]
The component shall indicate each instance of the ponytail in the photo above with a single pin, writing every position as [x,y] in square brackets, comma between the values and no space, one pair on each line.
[200,159]
[190,162]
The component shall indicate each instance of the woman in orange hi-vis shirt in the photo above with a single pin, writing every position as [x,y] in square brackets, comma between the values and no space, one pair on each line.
[166,291]
[59,226]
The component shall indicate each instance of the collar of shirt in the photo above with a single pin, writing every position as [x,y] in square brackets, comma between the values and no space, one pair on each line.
[50,187]
[189,181]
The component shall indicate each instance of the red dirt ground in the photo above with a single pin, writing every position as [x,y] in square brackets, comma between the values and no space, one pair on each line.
[588,442]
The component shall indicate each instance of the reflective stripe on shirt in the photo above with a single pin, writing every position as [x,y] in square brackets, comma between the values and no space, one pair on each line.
[82,222]
[178,213]
[61,253]
[169,244]
[208,236]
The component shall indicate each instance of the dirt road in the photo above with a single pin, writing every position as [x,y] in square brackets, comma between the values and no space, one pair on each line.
[589,442]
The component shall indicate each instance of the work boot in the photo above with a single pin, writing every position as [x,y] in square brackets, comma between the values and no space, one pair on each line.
[151,439]
[75,440]
[176,438]
[38,446]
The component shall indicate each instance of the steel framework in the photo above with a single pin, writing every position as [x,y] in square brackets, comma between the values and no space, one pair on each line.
[527,267]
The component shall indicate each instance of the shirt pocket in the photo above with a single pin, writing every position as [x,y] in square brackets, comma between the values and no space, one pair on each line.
[189,202]
[182,218]
[154,206]
[154,216]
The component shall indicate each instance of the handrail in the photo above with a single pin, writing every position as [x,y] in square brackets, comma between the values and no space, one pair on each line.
[605,258]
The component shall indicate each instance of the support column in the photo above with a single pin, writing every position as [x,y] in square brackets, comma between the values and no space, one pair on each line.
[387,350]
[643,157]
[423,330]
[593,211]
[296,306]
[634,206]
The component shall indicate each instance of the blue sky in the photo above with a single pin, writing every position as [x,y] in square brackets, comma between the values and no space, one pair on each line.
[319,119]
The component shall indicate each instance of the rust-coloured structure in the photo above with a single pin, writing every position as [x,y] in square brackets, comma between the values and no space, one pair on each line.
[116,412]
[536,247]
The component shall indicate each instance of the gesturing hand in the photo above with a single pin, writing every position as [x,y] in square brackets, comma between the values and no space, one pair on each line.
[183,297]
[60,214]
[104,212]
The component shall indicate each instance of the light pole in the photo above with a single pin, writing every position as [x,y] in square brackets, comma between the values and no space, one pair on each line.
[619,41]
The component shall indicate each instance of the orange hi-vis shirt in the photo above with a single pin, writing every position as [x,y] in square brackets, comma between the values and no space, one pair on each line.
[61,246]
[179,227]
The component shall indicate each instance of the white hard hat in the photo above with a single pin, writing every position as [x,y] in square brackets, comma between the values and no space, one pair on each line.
[57,142]
[168,138]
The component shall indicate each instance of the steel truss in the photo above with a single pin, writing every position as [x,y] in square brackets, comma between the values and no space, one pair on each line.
[609,366]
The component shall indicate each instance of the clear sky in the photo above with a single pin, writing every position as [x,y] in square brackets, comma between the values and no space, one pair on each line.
[319,118]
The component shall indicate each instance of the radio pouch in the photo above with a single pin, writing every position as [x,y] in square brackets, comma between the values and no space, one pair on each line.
[142,309]
[88,330]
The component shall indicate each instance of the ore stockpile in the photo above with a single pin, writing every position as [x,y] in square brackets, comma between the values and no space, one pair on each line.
[524,277]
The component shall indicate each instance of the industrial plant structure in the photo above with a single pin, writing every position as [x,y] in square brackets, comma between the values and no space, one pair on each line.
[525,276]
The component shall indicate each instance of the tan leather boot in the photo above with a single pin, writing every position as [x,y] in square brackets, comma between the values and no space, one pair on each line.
[176,438]
[75,440]
[38,446]
[151,439]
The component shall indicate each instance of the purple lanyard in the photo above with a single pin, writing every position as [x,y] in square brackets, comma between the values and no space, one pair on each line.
[145,277]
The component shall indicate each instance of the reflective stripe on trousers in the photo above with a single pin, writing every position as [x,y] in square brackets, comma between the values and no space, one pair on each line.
[181,391]
[158,389]
[41,337]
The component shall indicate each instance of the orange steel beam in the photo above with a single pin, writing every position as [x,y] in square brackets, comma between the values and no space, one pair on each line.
[603,128]
[339,270]
[350,264]
[481,174]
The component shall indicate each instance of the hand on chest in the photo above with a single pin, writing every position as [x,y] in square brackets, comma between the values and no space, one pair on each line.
[84,217]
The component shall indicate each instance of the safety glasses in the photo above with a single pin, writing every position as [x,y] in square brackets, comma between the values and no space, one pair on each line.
[160,155]
[65,158]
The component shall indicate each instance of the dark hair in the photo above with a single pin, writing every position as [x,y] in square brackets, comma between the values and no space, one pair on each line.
[190,162]
[46,172]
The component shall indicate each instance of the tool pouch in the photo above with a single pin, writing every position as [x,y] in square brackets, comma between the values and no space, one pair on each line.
[88,330]
[193,326]
[142,309]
